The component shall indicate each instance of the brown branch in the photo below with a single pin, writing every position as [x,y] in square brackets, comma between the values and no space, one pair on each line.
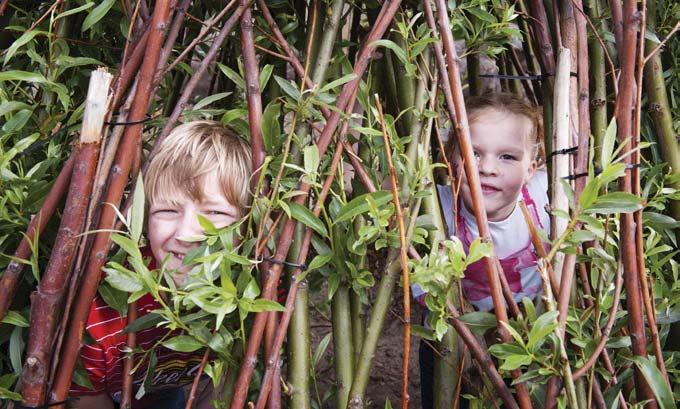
[624,108]
[204,30]
[117,183]
[470,165]
[12,274]
[482,356]
[248,364]
[607,328]
[47,301]
[128,363]
[661,44]
[252,79]
[403,258]
[198,75]
[197,378]
[583,97]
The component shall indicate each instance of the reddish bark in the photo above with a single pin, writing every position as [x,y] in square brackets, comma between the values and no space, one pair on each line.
[117,182]
[248,364]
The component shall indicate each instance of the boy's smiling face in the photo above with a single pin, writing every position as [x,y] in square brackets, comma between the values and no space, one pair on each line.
[171,219]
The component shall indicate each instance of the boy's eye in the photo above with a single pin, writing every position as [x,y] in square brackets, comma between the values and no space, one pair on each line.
[216,213]
[164,212]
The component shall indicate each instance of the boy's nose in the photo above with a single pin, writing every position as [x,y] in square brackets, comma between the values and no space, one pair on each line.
[188,226]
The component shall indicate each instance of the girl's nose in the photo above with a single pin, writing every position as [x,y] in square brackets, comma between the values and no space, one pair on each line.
[487,165]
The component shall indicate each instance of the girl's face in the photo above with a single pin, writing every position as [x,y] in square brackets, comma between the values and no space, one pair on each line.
[504,161]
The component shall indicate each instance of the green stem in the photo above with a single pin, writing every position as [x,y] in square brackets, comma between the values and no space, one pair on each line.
[598,102]
[299,355]
[660,111]
[473,70]
[325,50]
[445,370]
[342,342]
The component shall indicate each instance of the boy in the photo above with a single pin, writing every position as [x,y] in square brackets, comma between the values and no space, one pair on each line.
[201,168]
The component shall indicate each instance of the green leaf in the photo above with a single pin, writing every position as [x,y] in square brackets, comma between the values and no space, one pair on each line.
[183,343]
[515,361]
[114,298]
[260,305]
[265,74]
[121,278]
[11,106]
[502,351]
[653,376]
[271,128]
[81,378]
[306,217]
[7,394]
[210,99]
[616,202]
[74,11]
[359,205]
[144,322]
[482,14]
[129,246]
[608,144]
[16,319]
[311,158]
[478,250]
[544,325]
[25,38]
[97,14]
[288,87]
[16,75]
[232,75]
[18,121]
[340,81]
[16,348]
[392,46]
[321,349]
[479,322]
[136,216]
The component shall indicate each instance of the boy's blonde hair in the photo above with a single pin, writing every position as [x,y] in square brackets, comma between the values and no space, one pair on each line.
[189,153]
[506,103]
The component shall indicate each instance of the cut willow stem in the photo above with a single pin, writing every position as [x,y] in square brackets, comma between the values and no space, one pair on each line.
[129,362]
[624,107]
[248,364]
[403,257]
[48,300]
[12,274]
[560,140]
[117,183]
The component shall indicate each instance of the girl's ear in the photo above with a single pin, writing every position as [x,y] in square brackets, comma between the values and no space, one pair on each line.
[533,165]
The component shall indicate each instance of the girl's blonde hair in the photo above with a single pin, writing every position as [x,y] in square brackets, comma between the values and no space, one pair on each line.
[506,103]
[189,153]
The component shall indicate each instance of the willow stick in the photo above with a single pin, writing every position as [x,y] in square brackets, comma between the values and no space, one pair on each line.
[12,274]
[598,100]
[117,183]
[248,364]
[659,109]
[273,355]
[48,300]
[403,257]
[583,97]
[624,107]
[560,140]
[198,74]
[650,311]
[618,280]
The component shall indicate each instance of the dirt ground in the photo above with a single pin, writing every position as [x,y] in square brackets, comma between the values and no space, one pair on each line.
[386,373]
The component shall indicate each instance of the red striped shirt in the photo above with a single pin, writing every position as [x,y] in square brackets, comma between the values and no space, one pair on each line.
[103,360]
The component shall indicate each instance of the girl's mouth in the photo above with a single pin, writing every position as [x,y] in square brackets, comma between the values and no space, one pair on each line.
[489,188]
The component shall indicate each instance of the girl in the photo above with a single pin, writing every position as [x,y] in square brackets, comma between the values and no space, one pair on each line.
[506,134]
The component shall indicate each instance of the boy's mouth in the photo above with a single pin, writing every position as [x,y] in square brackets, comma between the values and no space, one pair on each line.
[178,256]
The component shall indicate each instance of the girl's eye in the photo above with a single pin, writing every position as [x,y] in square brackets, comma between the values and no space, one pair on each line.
[508,157]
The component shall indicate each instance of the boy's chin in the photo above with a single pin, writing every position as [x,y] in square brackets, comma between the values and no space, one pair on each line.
[180,278]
